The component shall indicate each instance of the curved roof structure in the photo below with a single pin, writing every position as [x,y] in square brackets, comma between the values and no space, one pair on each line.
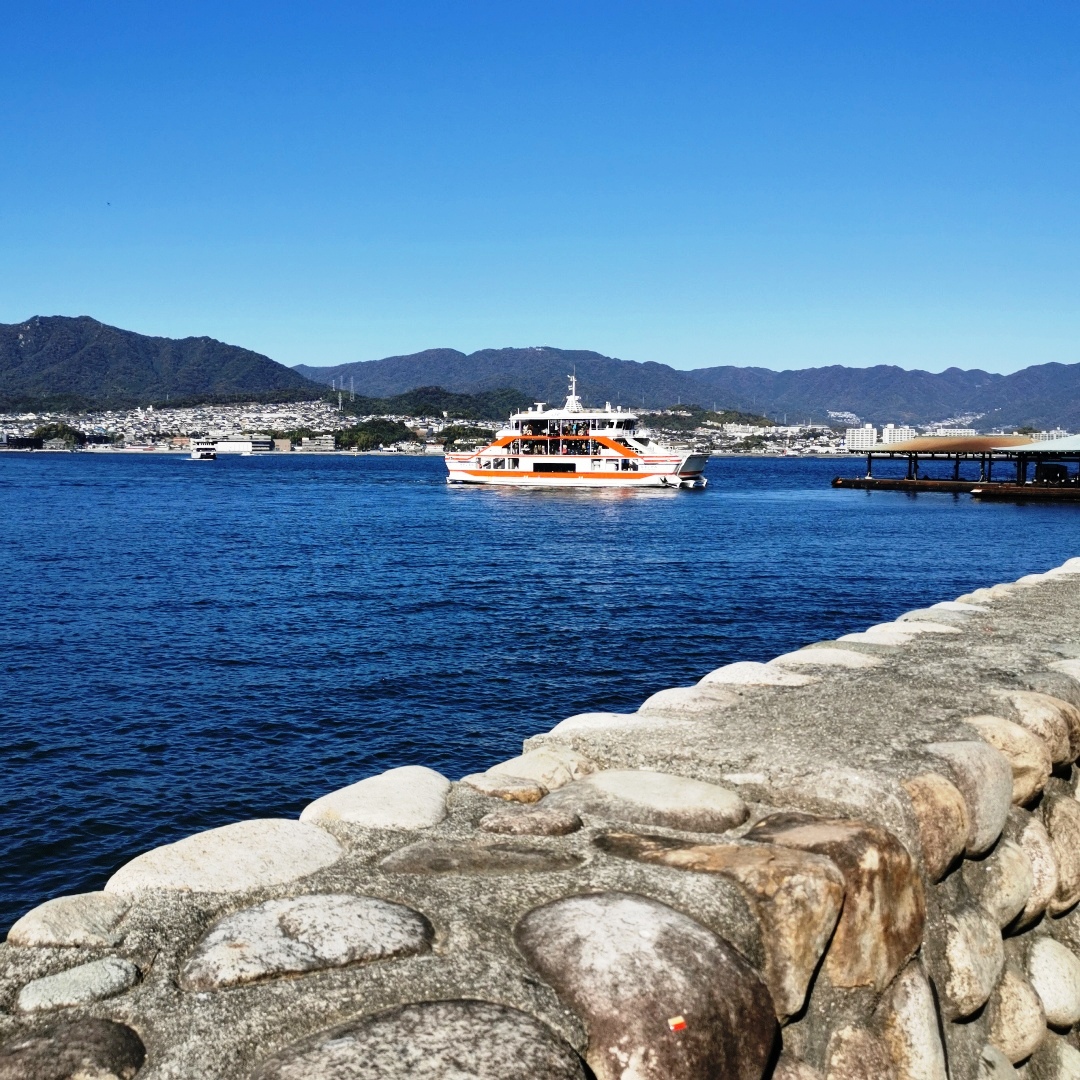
[1069,445]
[955,444]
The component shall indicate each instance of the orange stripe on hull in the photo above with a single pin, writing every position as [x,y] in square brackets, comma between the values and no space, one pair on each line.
[500,473]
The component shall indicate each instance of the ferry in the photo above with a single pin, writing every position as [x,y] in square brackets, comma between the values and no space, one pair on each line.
[203,449]
[576,447]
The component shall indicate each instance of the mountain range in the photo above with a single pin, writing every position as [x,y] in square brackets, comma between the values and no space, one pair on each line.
[60,363]
[1044,395]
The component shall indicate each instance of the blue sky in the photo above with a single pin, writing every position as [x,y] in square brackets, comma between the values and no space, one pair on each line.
[782,184]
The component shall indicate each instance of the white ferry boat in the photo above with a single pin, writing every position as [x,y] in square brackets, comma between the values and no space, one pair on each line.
[203,449]
[576,447]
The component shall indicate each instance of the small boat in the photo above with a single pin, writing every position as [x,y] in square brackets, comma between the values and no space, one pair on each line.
[577,447]
[203,449]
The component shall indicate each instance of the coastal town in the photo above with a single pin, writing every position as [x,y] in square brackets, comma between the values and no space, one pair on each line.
[321,426]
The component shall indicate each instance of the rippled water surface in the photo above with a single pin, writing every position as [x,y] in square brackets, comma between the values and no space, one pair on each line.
[184,644]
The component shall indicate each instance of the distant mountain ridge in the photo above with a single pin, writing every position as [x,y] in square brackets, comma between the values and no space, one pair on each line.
[1043,396]
[57,362]
[61,363]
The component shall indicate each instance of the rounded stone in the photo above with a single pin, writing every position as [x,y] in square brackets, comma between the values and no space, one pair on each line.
[543,821]
[942,818]
[1054,973]
[976,596]
[95,981]
[629,966]
[826,656]
[74,1050]
[609,721]
[303,934]
[1054,1060]
[753,673]
[1017,1021]
[853,1053]
[82,920]
[642,797]
[1061,816]
[552,765]
[1033,839]
[884,912]
[876,635]
[508,788]
[889,634]
[1028,755]
[682,700]
[1002,882]
[1069,667]
[958,606]
[793,896]
[411,797]
[435,1040]
[974,956]
[984,778]
[1045,717]
[233,858]
[994,1065]
[919,626]
[910,1027]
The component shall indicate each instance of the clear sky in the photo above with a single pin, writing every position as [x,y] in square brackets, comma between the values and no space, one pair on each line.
[785,184]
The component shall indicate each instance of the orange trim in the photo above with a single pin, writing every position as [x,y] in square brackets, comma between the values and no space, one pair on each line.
[563,475]
[603,440]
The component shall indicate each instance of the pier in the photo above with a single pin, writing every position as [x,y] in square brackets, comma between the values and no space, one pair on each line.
[1025,469]
[857,861]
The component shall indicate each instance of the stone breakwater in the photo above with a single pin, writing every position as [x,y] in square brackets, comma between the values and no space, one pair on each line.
[859,861]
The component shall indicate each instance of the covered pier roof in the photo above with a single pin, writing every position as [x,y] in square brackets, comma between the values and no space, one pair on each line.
[1069,445]
[956,444]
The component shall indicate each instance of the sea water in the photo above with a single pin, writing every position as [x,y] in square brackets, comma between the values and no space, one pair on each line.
[185,644]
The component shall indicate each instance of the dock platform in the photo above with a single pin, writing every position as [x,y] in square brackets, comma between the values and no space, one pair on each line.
[977,489]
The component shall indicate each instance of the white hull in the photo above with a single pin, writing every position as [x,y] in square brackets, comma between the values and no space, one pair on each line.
[570,480]
[672,472]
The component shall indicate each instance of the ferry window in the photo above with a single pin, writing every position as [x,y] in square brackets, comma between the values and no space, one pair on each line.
[499,463]
[515,463]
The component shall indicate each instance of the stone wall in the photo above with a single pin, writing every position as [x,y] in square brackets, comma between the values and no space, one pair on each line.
[860,861]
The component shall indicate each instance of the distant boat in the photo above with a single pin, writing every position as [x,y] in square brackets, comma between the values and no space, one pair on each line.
[203,449]
[577,447]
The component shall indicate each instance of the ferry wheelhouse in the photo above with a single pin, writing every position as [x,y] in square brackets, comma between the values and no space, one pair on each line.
[577,447]
[203,449]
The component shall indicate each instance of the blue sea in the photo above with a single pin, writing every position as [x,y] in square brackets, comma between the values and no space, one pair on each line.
[184,644]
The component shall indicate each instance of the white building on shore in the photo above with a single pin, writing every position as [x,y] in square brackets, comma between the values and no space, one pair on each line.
[861,438]
[894,433]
